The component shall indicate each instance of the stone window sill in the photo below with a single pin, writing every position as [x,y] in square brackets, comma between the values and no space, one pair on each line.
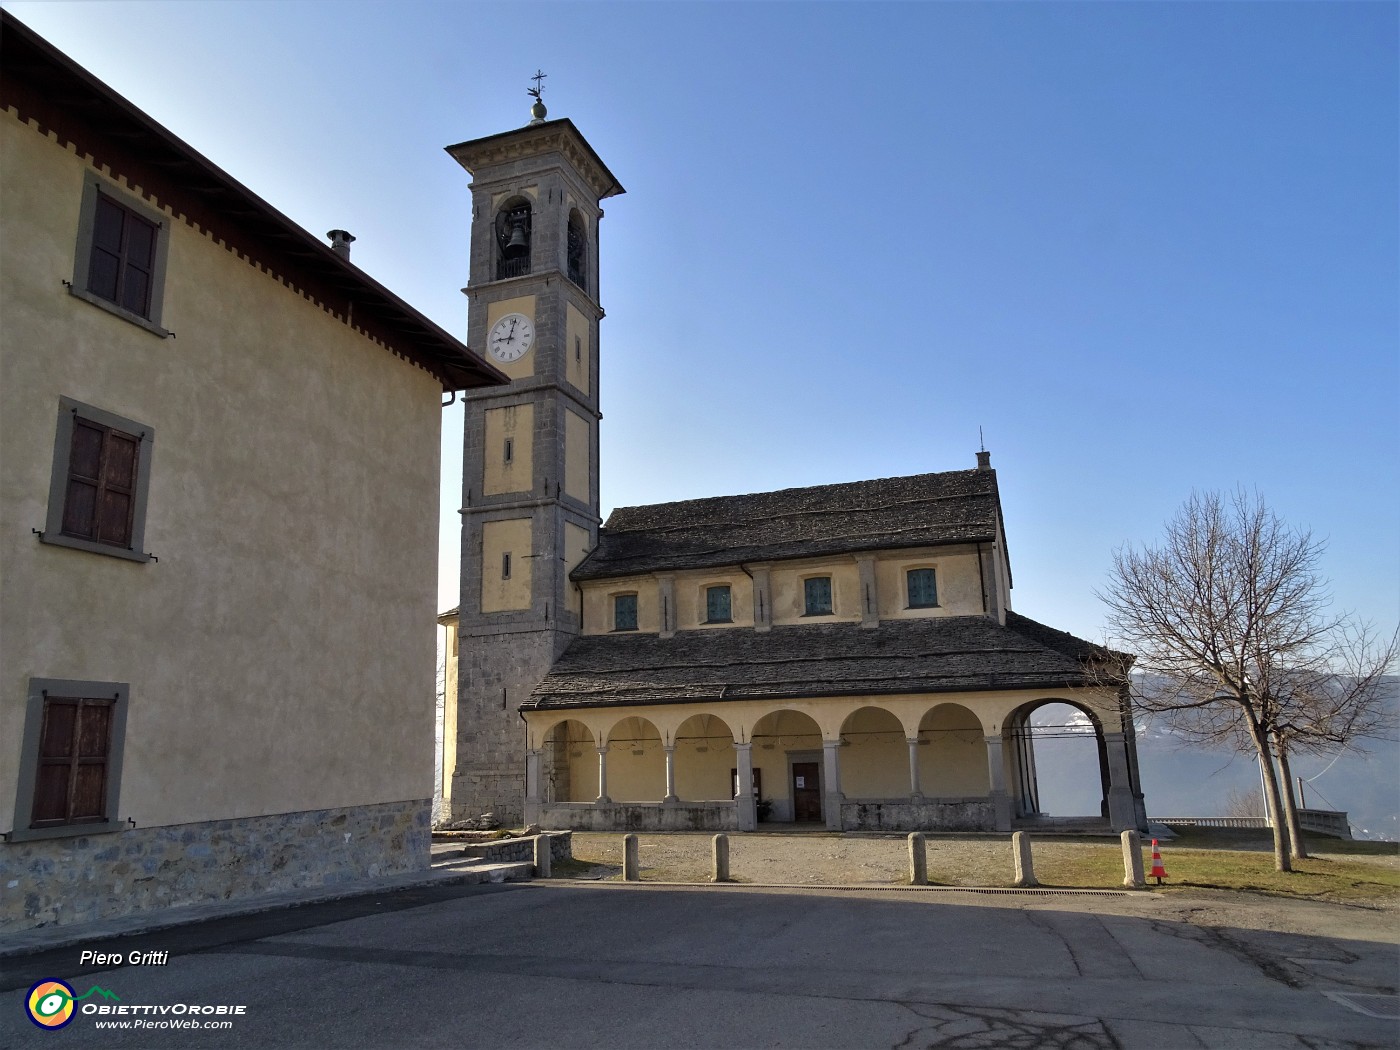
[67,831]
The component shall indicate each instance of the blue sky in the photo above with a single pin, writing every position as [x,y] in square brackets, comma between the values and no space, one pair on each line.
[1145,247]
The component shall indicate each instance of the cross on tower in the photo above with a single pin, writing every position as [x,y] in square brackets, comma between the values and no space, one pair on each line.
[538,89]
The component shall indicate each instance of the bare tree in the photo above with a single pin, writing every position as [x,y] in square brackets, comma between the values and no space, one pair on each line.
[1231,613]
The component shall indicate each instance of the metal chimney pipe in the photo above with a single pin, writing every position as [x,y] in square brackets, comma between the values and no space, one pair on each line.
[340,242]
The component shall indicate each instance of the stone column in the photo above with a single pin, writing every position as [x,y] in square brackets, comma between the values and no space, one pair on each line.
[996,775]
[918,860]
[915,795]
[670,774]
[534,794]
[832,802]
[1021,853]
[1122,813]
[602,776]
[762,601]
[869,596]
[744,800]
[1132,861]
[720,855]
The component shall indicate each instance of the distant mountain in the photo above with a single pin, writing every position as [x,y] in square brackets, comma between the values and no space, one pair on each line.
[1181,779]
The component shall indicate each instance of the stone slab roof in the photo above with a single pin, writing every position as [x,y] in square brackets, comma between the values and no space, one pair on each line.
[957,506]
[926,655]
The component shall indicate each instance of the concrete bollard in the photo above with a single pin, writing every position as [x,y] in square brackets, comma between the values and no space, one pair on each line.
[720,845]
[918,860]
[631,867]
[1021,849]
[542,856]
[1132,861]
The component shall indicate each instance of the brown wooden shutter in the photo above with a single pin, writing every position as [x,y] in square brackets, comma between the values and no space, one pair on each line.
[103,465]
[75,743]
[122,262]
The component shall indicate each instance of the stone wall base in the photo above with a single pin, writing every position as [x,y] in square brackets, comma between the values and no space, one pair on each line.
[957,814]
[639,816]
[53,882]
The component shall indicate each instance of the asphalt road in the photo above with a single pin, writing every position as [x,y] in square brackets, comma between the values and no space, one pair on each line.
[559,965]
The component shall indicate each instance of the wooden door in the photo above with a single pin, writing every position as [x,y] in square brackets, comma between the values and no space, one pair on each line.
[806,792]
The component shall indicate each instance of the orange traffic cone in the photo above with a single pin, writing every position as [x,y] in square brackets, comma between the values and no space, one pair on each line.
[1158,872]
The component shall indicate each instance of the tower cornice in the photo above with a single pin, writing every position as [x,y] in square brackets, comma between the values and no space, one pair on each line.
[534,140]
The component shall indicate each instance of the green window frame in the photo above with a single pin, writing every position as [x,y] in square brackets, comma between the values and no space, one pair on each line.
[816,594]
[624,612]
[921,585]
[718,607]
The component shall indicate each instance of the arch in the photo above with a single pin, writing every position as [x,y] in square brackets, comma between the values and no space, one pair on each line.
[704,758]
[874,755]
[514,235]
[952,753]
[636,760]
[787,744]
[569,762]
[576,250]
[1048,726]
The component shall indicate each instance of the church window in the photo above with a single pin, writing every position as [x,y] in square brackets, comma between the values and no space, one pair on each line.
[577,250]
[513,235]
[717,609]
[923,590]
[509,450]
[505,565]
[624,612]
[817,595]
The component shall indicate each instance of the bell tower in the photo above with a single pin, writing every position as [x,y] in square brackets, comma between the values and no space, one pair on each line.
[530,508]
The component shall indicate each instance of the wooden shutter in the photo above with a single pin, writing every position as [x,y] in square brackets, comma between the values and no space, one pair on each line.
[74,749]
[922,589]
[100,503]
[818,595]
[121,265]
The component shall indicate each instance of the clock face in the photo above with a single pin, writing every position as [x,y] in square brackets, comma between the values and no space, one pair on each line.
[511,338]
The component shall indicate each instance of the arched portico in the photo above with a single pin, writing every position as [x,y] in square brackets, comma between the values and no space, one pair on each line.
[1113,749]
[909,762]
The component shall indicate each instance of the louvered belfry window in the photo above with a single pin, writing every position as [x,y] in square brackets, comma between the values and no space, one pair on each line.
[74,753]
[121,268]
[817,591]
[717,607]
[100,500]
[923,591]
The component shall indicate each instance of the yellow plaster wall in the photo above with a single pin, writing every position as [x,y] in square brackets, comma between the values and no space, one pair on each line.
[956,574]
[280,653]
[577,349]
[690,598]
[449,713]
[578,456]
[789,596]
[952,753]
[516,422]
[578,541]
[874,756]
[523,304]
[598,603]
[513,535]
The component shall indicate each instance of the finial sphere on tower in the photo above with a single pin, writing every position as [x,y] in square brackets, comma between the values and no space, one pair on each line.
[537,111]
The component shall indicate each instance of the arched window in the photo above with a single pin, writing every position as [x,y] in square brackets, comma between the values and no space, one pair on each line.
[578,251]
[513,239]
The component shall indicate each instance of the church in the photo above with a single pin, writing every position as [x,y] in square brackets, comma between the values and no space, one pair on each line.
[843,656]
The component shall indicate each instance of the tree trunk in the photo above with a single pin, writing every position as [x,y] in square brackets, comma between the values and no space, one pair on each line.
[1290,804]
[1282,861]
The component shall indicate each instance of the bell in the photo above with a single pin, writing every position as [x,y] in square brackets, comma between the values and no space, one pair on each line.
[517,237]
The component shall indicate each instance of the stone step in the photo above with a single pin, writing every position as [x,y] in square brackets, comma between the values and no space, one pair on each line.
[470,871]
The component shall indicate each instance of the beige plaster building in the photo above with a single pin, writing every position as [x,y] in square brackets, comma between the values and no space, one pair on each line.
[216,642]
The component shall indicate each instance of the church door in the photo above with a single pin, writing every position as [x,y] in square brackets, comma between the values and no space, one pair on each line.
[806,792]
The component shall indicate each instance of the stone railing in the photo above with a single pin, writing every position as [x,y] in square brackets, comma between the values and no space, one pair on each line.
[640,816]
[1322,821]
